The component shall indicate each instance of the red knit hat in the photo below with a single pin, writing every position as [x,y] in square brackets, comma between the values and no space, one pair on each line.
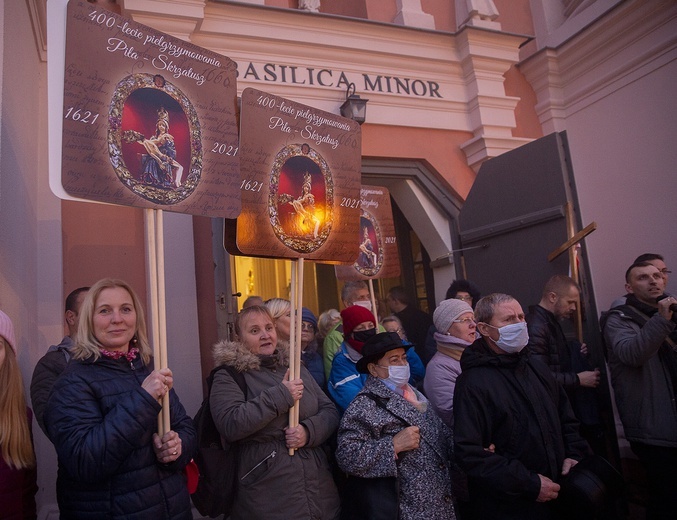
[354,315]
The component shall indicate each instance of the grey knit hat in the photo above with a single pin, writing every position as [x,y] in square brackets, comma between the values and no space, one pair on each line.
[447,311]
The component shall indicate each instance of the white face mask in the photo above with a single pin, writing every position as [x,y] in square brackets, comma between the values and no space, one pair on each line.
[512,338]
[363,303]
[397,375]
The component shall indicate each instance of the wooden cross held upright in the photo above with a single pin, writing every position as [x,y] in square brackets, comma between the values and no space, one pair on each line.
[570,245]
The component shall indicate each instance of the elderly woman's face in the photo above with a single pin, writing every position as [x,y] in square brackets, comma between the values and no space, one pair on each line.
[395,357]
[114,319]
[282,325]
[307,332]
[464,327]
[257,333]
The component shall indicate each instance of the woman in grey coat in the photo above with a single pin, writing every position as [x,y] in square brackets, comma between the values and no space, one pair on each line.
[272,483]
[389,430]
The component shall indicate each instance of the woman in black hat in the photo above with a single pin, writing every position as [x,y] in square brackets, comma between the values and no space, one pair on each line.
[393,446]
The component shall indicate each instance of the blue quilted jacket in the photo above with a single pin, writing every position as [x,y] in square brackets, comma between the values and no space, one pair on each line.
[102,422]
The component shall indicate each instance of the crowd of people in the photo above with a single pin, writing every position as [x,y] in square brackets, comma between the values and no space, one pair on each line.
[478,411]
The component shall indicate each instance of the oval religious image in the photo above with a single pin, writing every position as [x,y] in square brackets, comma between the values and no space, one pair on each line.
[154,139]
[370,257]
[301,198]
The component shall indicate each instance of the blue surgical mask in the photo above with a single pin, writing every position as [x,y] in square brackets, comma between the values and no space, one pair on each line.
[398,375]
[512,338]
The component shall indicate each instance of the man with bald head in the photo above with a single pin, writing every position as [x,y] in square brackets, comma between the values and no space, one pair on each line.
[641,338]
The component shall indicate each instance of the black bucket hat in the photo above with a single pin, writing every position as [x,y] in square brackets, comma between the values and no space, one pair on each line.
[376,346]
[590,488]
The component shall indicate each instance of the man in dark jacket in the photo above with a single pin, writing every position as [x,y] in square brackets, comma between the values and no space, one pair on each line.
[414,321]
[641,337]
[547,341]
[52,364]
[510,403]
[566,359]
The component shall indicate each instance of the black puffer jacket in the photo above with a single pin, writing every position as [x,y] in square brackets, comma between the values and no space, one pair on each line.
[102,422]
[513,402]
[548,344]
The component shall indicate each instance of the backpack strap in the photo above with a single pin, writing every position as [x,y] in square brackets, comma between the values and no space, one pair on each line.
[238,377]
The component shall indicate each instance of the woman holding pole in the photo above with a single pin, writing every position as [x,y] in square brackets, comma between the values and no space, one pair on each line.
[272,483]
[102,418]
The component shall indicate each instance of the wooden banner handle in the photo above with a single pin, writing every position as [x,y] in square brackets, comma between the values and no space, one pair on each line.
[295,331]
[158,315]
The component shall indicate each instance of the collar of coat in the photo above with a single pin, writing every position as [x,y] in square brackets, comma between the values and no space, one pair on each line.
[238,356]
[404,411]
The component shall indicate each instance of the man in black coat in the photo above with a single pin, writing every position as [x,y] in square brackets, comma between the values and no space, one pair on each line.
[547,341]
[414,321]
[515,433]
[53,363]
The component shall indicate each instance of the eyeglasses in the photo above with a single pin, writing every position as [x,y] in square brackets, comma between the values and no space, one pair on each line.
[307,326]
[464,298]
[465,321]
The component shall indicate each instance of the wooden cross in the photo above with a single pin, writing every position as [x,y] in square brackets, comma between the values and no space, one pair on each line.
[570,245]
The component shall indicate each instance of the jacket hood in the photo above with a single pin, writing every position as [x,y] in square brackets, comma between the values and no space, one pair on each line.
[479,355]
[236,355]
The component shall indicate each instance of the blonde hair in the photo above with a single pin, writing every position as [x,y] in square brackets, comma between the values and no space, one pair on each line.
[16,445]
[326,321]
[87,345]
[278,307]
[254,309]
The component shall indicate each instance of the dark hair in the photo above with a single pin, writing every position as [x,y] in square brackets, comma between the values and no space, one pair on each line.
[398,293]
[72,299]
[634,266]
[558,284]
[465,286]
[647,257]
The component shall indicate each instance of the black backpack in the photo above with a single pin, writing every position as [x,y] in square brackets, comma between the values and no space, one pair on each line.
[216,459]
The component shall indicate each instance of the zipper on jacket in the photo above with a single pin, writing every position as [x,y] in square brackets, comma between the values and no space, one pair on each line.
[270,456]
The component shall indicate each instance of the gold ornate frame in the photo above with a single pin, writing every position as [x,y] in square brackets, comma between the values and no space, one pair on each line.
[164,196]
[301,244]
[366,271]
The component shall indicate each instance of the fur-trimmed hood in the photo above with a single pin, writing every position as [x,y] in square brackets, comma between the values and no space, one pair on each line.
[236,355]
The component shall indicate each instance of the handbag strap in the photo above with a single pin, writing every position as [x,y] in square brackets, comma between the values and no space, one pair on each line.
[381,403]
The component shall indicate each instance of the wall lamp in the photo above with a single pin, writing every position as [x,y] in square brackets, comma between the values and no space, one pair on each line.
[354,107]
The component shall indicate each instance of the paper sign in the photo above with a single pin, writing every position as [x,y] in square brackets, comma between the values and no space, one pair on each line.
[300,181]
[148,119]
[376,243]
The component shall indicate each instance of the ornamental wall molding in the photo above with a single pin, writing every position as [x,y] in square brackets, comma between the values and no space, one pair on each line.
[631,41]
[412,77]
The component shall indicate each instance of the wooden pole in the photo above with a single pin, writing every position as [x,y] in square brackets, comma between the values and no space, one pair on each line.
[573,263]
[151,254]
[299,331]
[374,310]
[295,335]
[292,339]
[162,312]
